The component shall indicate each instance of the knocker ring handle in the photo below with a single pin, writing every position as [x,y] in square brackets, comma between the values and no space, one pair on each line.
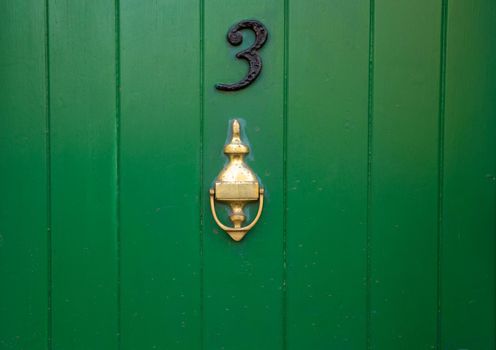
[237,233]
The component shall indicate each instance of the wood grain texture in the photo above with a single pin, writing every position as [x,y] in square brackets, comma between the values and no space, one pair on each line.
[83,174]
[327,174]
[404,192]
[372,128]
[243,281]
[160,175]
[469,191]
[23,176]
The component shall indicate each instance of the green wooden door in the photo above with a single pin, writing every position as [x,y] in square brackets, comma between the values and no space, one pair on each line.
[373,130]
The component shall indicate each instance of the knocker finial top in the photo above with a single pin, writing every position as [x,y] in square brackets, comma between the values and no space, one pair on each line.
[235,38]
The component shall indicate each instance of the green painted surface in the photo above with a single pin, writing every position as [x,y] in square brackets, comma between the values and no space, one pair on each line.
[23,177]
[404,175]
[372,128]
[83,174]
[160,175]
[469,186]
[327,175]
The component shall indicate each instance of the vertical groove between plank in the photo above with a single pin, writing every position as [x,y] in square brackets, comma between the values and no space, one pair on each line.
[118,165]
[442,97]
[370,119]
[201,187]
[285,178]
[48,177]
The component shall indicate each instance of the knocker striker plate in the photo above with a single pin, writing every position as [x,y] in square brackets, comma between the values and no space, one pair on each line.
[236,185]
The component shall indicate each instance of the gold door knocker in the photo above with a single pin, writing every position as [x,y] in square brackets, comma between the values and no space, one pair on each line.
[236,185]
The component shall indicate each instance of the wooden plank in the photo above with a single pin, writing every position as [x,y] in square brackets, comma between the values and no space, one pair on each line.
[23,169]
[469,201]
[327,174]
[404,175]
[242,292]
[160,174]
[83,158]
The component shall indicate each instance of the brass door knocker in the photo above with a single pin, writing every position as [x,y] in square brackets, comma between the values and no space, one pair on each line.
[236,185]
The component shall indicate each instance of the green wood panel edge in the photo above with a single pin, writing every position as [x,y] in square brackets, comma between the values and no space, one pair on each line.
[467,269]
[24,187]
[84,301]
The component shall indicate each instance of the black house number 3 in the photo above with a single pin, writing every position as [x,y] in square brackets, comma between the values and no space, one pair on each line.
[235,38]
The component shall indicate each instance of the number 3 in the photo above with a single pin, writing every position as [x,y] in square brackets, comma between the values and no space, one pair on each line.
[235,38]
